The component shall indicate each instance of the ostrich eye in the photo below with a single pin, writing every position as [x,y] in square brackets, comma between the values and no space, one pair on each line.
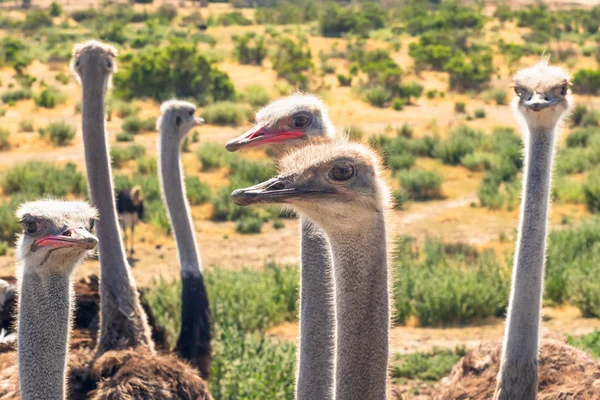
[30,227]
[300,121]
[77,63]
[191,113]
[518,91]
[178,120]
[109,63]
[342,173]
[92,224]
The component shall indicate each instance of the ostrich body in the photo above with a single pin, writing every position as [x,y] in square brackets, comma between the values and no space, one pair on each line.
[56,238]
[291,123]
[193,345]
[542,101]
[339,187]
[125,364]
[130,210]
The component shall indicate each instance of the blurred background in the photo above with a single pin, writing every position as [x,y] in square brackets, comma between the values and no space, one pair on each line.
[428,83]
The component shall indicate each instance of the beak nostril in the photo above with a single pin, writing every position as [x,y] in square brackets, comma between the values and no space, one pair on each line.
[276,186]
[67,233]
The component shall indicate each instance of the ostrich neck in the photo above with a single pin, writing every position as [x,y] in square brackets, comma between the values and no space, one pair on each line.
[522,326]
[362,309]
[317,316]
[43,334]
[121,312]
[171,174]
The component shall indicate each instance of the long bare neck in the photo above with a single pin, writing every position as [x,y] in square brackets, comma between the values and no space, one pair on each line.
[43,338]
[317,316]
[193,343]
[518,376]
[123,321]
[362,309]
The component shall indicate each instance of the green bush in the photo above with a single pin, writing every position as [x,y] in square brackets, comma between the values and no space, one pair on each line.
[233,18]
[291,60]
[462,141]
[212,155]
[59,133]
[398,104]
[50,98]
[9,225]
[249,49]
[377,96]
[590,342]
[447,283]
[479,161]
[225,113]
[480,113]
[12,96]
[36,19]
[336,20]
[35,179]
[197,191]
[149,73]
[577,114]
[124,137]
[460,107]
[401,161]
[249,225]
[565,190]
[586,81]
[55,9]
[3,248]
[26,125]
[147,165]
[4,135]
[120,155]
[421,184]
[410,90]
[591,190]
[257,96]
[573,160]
[432,365]
[133,124]
[489,193]
[344,80]
[581,137]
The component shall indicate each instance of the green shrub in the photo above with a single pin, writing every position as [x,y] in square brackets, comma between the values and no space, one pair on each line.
[480,113]
[147,165]
[586,81]
[581,137]
[591,118]
[377,96]
[59,133]
[35,179]
[336,20]
[26,125]
[401,161]
[462,141]
[428,366]
[50,98]
[489,193]
[479,161]
[212,155]
[55,9]
[447,283]
[459,107]
[225,113]
[125,109]
[3,248]
[120,155]
[133,124]
[499,96]
[233,18]
[572,160]
[149,73]
[410,90]
[4,135]
[591,190]
[291,60]
[278,224]
[421,184]
[124,137]
[398,104]
[344,80]
[249,225]
[36,19]
[590,342]
[577,114]
[197,192]
[9,225]
[12,96]
[257,96]
[565,190]
[249,48]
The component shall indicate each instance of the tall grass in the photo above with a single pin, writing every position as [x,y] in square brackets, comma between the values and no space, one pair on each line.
[36,178]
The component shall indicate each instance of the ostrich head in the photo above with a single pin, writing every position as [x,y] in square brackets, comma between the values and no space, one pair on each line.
[338,182]
[93,61]
[543,94]
[177,116]
[56,234]
[291,120]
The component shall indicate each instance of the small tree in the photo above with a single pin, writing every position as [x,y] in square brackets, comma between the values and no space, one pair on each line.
[412,89]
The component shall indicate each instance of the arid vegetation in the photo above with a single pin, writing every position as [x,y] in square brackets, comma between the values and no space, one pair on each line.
[427,83]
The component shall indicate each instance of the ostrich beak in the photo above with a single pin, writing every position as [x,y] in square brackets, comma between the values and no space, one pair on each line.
[539,102]
[198,121]
[73,238]
[258,135]
[276,190]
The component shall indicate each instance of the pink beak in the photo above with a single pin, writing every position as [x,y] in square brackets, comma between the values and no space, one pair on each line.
[258,135]
[74,238]
[198,121]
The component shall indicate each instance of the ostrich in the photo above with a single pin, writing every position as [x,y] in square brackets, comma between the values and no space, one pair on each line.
[339,186]
[291,122]
[193,345]
[125,364]
[542,101]
[130,210]
[56,238]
